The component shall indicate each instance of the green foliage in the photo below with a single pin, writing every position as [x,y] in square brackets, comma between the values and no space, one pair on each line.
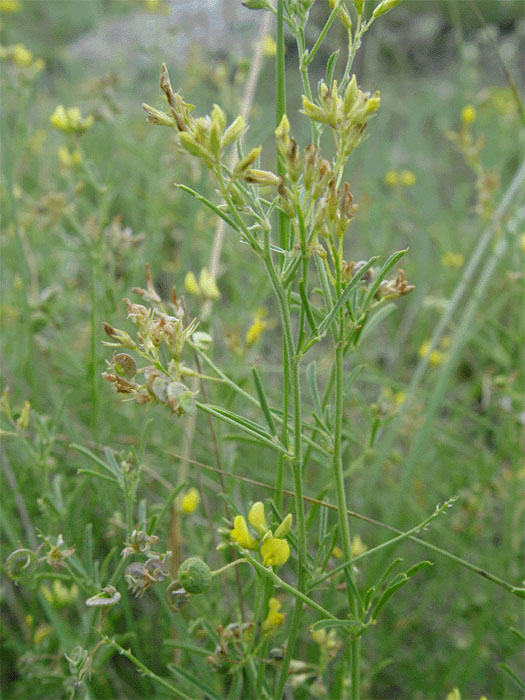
[407,395]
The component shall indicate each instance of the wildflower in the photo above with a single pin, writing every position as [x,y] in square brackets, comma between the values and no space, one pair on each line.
[468,114]
[23,419]
[22,57]
[453,260]
[454,695]
[41,632]
[56,555]
[70,121]
[241,534]
[257,518]
[392,178]
[269,46]
[435,358]
[358,546]
[274,618]
[285,527]
[337,552]
[190,501]
[191,285]
[275,551]
[69,159]
[258,326]
[60,595]
[407,178]
[10,6]
[205,288]
[208,285]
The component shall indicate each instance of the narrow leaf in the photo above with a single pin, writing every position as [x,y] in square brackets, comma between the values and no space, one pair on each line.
[262,400]
[383,272]
[354,282]
[349,625]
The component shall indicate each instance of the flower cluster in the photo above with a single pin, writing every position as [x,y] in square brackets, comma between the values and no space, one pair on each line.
[206,288]
[21,57]
[347,114]
[405,178]
[274,549]
[70,121]
[160,329]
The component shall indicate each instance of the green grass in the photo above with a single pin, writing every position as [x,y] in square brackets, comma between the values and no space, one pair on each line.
[66,268]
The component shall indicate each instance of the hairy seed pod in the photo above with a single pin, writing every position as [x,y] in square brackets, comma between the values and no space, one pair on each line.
[194,575]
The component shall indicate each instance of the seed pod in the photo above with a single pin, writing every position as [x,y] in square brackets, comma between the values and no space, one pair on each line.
[194,575]
[176,597]
[20,563]
[124,365]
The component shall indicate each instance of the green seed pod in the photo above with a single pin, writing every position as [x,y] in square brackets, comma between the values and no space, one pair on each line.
[194,575]
[20,563]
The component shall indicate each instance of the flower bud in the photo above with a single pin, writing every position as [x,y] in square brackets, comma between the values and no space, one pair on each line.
[243,165]
[233,132]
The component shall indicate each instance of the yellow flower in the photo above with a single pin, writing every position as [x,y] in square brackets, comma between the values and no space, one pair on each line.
[190,501]
[241,534]
[453,260]
[407,178]
[208,286]
[258,326]
[285,527]
[436,357]
[275,618]
[10,5]
[468,114]
[22,57]
[269,46]
[399,398]
[274,551]
[257,518]
[60,595]
[392,178]
[67,159]
[358,546]
[337,552]
[70,121]
[191,285]
[41,633]
[454,695]
[522,242]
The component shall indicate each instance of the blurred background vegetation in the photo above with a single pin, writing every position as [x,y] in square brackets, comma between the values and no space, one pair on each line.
[75,238]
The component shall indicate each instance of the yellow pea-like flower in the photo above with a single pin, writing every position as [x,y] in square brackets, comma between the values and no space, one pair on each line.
[257,518]
[275,551]
[241,534]
[275,618]
[190,501]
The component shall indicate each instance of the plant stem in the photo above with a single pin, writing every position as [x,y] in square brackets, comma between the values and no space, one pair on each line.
[344,527]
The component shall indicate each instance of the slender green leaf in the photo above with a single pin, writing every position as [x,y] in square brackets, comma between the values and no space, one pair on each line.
[383,272]
[354,282]
[263,401]
[348,625]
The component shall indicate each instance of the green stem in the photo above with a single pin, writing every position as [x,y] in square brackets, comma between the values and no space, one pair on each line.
[291,372]
[301,597]
[344,527]
[173,689]
[280,75]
